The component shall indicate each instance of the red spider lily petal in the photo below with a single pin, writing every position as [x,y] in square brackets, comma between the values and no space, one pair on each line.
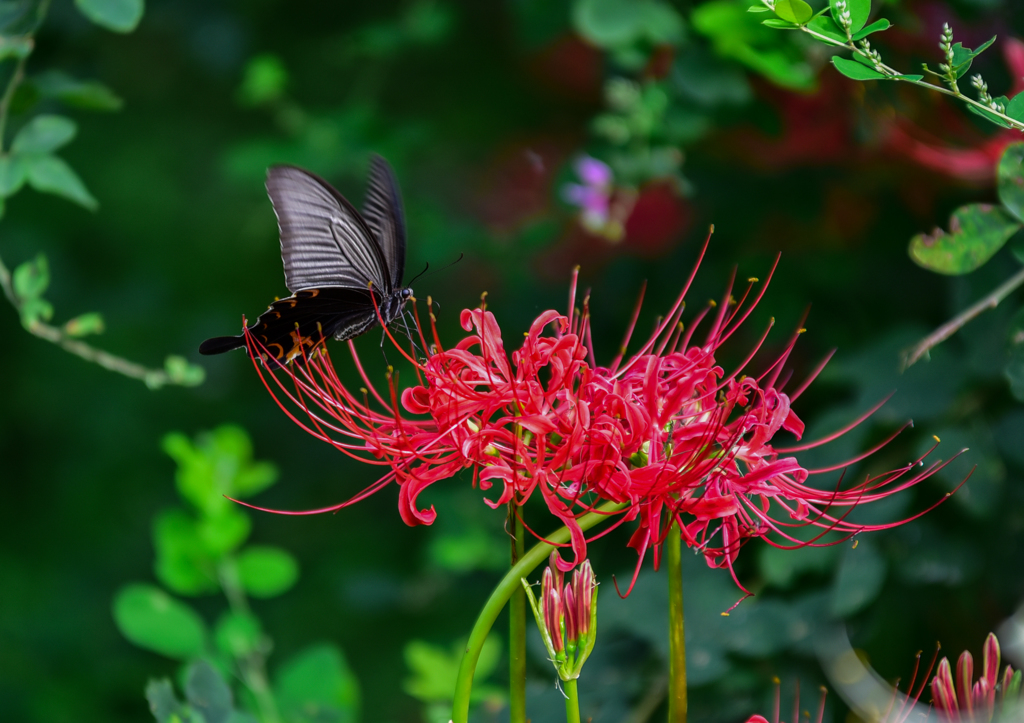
[943,692]
[1007,679]
[990,663]
[666,432]
[552,609]
[572,621]
[964,676]
[583,581]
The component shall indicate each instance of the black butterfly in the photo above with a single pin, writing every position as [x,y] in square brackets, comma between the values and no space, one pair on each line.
[337,263]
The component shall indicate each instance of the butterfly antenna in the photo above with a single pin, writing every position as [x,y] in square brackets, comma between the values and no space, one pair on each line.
[427,268]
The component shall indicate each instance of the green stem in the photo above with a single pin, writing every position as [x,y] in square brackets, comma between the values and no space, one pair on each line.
[572,702]
[676,631]
[252,666]
[508,585]
[517,625]
[5,101]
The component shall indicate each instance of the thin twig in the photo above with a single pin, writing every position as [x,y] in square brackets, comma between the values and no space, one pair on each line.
[153,378]
[953,325]
[650,701]
[896,75]
[12,85]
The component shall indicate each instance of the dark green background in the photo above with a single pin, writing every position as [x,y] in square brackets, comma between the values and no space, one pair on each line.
[184,243]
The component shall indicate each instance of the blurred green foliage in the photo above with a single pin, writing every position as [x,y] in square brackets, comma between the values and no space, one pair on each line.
[480,107]
[198,552]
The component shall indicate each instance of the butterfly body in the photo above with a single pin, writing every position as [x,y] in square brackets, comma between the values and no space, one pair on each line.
[344,268]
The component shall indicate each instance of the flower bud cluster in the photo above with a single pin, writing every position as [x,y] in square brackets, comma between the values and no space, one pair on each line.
[983,95]
[991,697]
[872,55]
[566,616]
[845,18]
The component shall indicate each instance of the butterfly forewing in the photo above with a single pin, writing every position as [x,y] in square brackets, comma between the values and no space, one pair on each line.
[382,210]
[324,240]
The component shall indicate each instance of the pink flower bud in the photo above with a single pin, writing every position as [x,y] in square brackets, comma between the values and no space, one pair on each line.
[943,693]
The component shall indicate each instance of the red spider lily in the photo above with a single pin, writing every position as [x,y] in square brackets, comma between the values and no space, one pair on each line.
[975,701]
[796,706]
[566,616]
[666,432]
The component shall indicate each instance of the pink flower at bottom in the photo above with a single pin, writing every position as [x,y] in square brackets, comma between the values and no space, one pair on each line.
[667,433]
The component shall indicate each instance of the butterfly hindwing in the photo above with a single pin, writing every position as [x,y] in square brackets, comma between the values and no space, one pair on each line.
[294,325]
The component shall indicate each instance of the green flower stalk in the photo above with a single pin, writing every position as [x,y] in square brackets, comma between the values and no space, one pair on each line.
[567,617]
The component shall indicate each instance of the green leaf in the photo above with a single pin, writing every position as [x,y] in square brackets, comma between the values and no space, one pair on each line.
[219,463]
[1010,179]
[32,278]
[780,24]
[183,561]
[121,16]
[32,310]
[316,685]
[44,134]
[824,25]
[15,47]
[757,9]
[263,81]
[976,232]
[999,121]
[859,579]
[859,11]
[963,57]
[435,669]
[1015,107]
[163,703]
[794,11]
[84,94]
[782,568]
[180,371]
[877,26]
[84,324]
[152,619]
[50,174]
[224,532]
[207,693]
[613,24]
[983,47]
[662,24]
[238,634]
[267,571]
[856,71]
[738,35]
